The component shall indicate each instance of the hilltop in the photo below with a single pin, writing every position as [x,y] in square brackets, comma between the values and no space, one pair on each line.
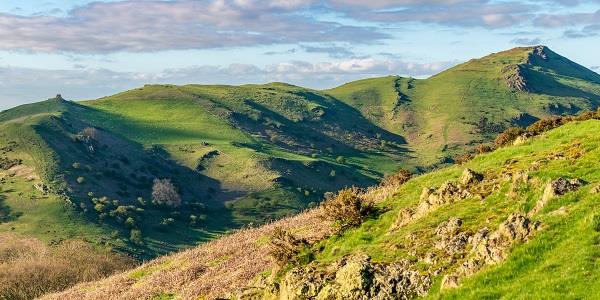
[522,220]
[468,104]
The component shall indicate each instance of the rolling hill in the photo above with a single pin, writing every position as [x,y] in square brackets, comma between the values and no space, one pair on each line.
[242,155]
[467,104]
[520,222]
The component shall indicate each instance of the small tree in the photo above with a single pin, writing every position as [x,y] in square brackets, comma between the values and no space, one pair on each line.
[135,236]
[348,208]
[284,247]
[165,193]
[508,136]
[397,179]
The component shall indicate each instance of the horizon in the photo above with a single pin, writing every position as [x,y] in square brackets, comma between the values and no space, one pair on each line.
[88,49]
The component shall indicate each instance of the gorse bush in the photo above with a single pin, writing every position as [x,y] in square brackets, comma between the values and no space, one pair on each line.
[348,208]
[285,248]
[508,136]
[29,268]
[397,179]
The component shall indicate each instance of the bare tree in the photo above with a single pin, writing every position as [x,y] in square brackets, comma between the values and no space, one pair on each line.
[165,193]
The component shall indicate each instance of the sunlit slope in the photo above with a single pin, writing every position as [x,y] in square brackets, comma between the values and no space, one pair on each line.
[472,102]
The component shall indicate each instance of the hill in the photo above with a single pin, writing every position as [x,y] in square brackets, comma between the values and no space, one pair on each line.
[472,102]
[522,220]
[162,168]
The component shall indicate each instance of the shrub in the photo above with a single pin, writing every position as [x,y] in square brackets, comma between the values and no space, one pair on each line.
[340,159]
[483,148]
[347,208]
[135,236]
[130,222]
[76,165]
[397,179]
[284,247]
[167,221]
[544,125]
[90,133]
[30,268]
[81,180]
[508,136]
[165,193]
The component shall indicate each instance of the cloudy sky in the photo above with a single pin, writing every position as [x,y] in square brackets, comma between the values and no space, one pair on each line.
[86,49]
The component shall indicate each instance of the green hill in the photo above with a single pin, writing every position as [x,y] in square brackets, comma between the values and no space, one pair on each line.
[472,102]
[520,222]
[239,155]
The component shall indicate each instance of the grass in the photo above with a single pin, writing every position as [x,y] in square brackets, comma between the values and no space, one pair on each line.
[560,259]
[438,115]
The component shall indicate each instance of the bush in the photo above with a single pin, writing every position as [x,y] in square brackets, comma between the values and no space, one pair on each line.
[81,180]
[348,208]
[165,193]
[284,247]
[397,179]
[340,159]
[30,268]
[463,158]
[508,136]
[135,236]
[483,148]
[544,125]
[76,165]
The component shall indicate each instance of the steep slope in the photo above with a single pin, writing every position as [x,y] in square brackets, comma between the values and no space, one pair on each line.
[522,220]
[470,103]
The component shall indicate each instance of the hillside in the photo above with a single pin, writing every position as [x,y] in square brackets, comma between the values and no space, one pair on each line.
[522,220]
[237,155]
[472,102]
[161,168]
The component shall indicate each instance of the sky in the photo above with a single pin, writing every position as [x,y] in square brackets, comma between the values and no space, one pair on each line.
[86,49]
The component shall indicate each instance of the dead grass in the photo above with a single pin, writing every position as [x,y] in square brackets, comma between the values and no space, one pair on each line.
[218,269]
[29,268]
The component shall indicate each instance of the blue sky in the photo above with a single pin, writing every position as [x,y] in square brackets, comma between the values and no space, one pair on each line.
[87,49]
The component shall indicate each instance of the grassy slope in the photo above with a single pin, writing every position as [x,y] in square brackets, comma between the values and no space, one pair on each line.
[561,259]
[438,115]
[277,148]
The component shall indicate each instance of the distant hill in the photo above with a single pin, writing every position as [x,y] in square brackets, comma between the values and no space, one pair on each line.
[467,104]
[253,153]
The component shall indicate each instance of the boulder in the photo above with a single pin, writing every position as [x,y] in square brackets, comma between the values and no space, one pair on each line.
[469,176]
[555,188]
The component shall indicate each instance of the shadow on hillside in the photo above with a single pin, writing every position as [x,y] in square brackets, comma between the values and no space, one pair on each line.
[6,214]
[545,84]
[123,170]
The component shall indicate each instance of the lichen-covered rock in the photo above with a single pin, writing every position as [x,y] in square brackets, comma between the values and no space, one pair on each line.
[301,283]
[492,248]
[403,218]
[555,188]
[469,176]
[355,277]
[452,240]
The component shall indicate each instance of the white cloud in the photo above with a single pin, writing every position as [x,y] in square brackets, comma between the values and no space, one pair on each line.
[20,85]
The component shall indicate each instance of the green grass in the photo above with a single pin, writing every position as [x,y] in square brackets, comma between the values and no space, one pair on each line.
[562,259]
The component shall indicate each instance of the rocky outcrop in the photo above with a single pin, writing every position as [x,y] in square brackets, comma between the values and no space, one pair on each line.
[469,176]
[452,239]
[555,188]
[515,78]
[355,277]
[492,248]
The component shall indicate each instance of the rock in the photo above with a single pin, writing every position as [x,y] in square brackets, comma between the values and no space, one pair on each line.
[469,176]
[301,283]
[449,282]
[488,249]
[403,218]
[555,188]
[595,190]
[355,277]
[452,240]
